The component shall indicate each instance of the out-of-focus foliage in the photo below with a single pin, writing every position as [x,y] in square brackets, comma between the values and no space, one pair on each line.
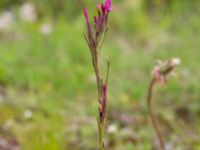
[53,8]
[4,4]
[71,9]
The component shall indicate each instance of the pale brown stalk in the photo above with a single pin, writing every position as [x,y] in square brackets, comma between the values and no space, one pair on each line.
[153,116]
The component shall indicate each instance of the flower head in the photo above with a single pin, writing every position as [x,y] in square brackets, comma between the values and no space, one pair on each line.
[95,35]
[108,5]
[163,68]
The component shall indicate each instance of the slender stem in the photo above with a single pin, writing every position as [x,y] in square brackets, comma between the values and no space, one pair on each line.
[99,88]
[152,116]
[101,144]
[98,78]
[101,132]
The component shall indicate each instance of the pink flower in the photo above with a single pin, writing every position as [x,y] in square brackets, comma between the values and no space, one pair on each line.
[108,5]
[96,29]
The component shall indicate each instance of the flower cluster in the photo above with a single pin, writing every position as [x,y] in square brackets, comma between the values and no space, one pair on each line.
[162,69]
[95,35]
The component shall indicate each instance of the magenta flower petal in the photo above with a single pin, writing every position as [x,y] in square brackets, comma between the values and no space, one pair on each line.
[108,5]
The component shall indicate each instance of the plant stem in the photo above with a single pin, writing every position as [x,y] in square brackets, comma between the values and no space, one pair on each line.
[100,122]
[152,116]
[101,130]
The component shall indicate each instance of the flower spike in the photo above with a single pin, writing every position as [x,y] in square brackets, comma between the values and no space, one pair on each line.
[96,32]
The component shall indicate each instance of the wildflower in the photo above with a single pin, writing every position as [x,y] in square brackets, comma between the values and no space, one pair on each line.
[46,29]
[162,69]
[112,128]
[6,20]
[159,73]
[28,12]
[94,38]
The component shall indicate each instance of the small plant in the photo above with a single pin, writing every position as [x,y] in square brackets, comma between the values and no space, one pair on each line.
[94,38]
[159,74]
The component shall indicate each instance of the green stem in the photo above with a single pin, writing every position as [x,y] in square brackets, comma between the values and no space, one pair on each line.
[101,139]
[101,133]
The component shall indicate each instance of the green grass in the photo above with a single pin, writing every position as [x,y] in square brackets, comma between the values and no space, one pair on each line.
[53,78]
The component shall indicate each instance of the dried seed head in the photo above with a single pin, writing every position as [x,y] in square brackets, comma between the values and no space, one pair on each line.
[163,68]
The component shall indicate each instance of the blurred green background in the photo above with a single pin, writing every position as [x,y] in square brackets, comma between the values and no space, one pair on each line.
[48,96]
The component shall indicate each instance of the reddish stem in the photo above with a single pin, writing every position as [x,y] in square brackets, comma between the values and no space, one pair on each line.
[152,116]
